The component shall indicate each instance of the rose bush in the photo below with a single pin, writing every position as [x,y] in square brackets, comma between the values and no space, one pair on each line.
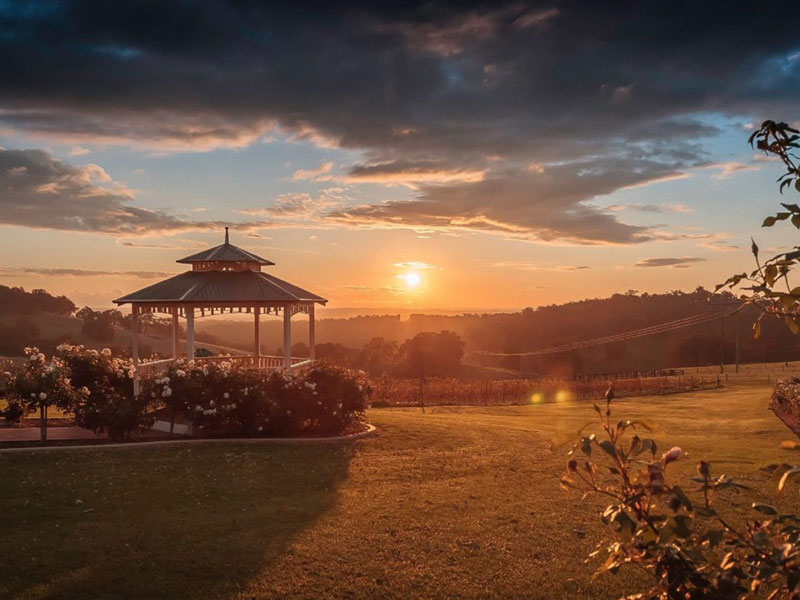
[39,384]
[679,538]
[217,396]
[104,399]
[221,397]
[14,410]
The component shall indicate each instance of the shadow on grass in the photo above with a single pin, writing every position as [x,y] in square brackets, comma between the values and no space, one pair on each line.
[194,522]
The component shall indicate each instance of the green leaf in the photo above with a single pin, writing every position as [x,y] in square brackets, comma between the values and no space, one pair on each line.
[609,448]
[786,476]
[682,497]
[770,274]
[683,525]
[792,324]
[715,537]
[765,509]
[787,301]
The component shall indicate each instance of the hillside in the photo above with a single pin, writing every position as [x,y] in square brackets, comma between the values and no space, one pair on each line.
[547,326]
[518,332]
[58,328]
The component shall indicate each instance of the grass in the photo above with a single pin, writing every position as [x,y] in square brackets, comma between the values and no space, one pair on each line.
[456,502]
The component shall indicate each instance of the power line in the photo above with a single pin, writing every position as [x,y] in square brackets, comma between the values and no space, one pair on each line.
[619,337]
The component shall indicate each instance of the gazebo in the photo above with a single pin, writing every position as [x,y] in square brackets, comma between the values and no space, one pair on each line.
[223,279]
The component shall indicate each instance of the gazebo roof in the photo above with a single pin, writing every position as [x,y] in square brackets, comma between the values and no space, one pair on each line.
[221,286]
[225,252]
[222,275]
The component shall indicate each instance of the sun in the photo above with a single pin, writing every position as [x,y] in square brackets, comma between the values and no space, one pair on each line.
[412,279]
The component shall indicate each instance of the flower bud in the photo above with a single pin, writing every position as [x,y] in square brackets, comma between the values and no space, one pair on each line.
[671,455]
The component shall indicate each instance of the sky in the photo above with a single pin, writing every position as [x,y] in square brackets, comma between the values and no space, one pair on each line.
[453,156]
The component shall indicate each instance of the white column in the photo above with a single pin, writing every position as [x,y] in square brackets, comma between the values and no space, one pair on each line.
[287,336]
[257,334]
[311,333]
[175,333]
[190,333]
[135,346]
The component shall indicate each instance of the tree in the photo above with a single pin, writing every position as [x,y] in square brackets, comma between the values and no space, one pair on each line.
[17,300]
[99,325]
[300,350]
[778,140]
[432,354]
[378,355]
[334,353]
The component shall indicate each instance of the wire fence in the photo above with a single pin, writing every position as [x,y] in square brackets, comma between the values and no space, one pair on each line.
[442,391]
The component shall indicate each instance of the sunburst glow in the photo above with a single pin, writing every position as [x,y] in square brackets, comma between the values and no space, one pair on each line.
[412,279]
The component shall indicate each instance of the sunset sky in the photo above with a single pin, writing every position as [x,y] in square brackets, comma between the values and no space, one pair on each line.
[499,156]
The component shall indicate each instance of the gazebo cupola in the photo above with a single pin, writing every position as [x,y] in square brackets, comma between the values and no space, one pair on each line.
[225,257]
[225,279]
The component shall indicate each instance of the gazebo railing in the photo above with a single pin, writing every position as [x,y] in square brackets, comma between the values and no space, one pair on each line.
[154,367]
[254,362]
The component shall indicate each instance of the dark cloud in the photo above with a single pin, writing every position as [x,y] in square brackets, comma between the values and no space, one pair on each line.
[413,172]
[39,191]
[550,205]
[389,78]
[675,263]
[433,92]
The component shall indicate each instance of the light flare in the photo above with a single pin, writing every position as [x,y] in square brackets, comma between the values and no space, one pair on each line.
[412,279]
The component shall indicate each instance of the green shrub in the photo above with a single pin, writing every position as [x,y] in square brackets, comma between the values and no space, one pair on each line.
[220,397]
[104,399]
[40,383]
[687,548]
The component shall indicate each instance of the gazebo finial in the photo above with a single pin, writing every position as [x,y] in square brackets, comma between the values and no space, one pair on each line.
[226,236]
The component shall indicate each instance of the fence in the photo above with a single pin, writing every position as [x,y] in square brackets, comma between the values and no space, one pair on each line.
[388,391]
[631,374]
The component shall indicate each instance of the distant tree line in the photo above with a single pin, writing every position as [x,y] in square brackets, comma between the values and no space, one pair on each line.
[427,354]
[17,301]
[387,344]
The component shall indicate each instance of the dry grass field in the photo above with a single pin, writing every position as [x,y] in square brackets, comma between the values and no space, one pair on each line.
[453,502]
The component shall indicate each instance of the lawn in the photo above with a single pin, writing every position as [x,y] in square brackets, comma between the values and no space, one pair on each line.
[455,502]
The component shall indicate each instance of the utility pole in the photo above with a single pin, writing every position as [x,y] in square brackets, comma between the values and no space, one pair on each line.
[721,334]
[737,341]
[721,347]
